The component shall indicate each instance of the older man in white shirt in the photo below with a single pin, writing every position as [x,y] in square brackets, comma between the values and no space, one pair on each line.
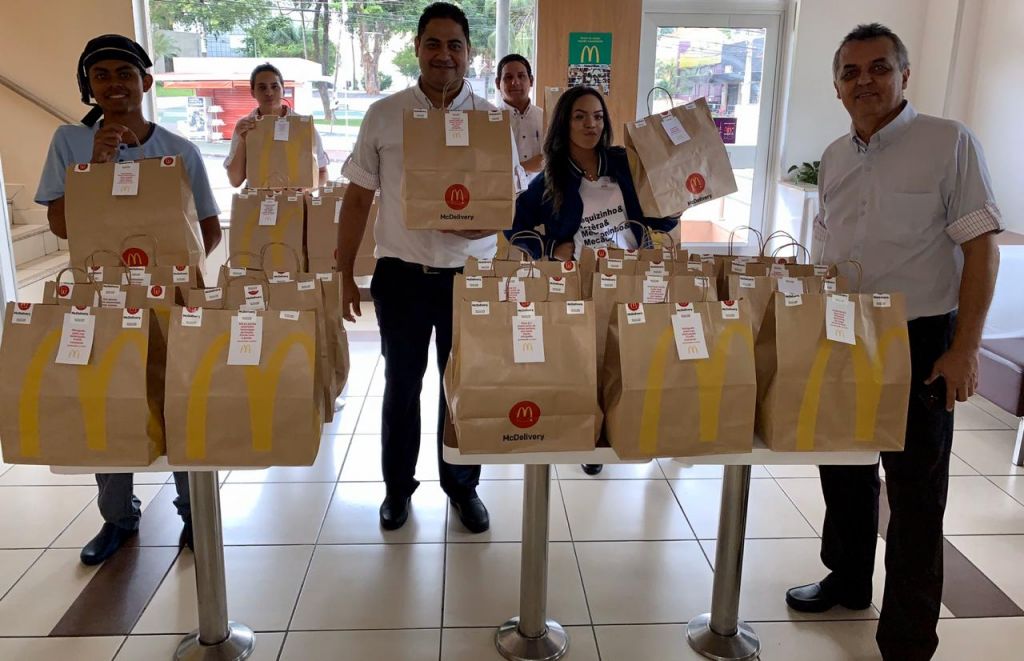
[413,280]
[908,197]
[515,80]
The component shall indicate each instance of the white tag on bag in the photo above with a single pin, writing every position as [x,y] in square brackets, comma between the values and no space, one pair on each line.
[635,313]
[575,307]
[131,318]
[655,290]
[556,285]
[789,285]
[191,317]
[253,298]
[689,335]
[126,178]
[793,300]
[456,128]
[480,308]
[268,212]
[609,281]
[528,339]
[839,317]
[730,310]
[747,282]
[281,128]
[675,131]
[246,339]
[76,337]
[112,296]
[881,300]
[337,211]
[213,294]
[179,275]
[22,314]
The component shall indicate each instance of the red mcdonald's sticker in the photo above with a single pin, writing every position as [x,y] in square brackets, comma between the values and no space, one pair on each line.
[569,265]
[135,257]
[156,290]
[524,414]
[695,183]
[63,291]
[133,310]
[633,307]
[456,197]
[24,307]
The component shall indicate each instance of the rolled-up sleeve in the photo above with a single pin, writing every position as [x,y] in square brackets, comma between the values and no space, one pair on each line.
[971,209]
[362,167]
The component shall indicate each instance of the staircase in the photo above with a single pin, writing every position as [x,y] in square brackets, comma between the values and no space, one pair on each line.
[38,254]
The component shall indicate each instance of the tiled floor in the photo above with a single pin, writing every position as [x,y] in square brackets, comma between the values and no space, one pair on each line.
[631,558]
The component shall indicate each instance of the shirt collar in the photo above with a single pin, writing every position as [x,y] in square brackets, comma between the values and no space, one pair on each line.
[889,133]
[602,169]
[515,111]
[460,99]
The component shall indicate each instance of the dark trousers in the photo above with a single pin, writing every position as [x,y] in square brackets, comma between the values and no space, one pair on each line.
[916,482]
[410,303]
[118,504]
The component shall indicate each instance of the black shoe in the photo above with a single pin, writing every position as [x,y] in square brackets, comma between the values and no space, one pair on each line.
[186,538]
[818,598]
[105,544]
[394,511]
[473,514]
[591,469]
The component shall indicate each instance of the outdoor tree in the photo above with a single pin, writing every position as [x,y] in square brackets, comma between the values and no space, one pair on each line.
[252,16]
[374,23]
[406,62]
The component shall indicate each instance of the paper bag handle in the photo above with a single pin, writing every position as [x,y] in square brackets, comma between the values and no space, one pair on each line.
[833,272]
[263,253]
[777,234]
[90,261]
[650,98]
[444,93]
[757,233]
[255,278]
[807,253]
[648,238]
[526,234]
[156,244]
[256,259]
[74,270]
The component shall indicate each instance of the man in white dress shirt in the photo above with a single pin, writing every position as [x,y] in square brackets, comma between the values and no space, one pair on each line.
[907,196]
[415,272]
[515,80]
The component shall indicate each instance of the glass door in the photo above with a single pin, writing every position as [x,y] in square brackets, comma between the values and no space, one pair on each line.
[730,60]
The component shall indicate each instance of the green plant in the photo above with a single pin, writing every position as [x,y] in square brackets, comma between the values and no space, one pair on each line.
[806,173]
[385,81]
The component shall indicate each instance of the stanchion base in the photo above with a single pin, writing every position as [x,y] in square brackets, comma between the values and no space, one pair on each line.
[742,646]
[514,646]
[239,645]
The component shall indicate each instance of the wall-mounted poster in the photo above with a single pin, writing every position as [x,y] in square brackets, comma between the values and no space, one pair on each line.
[727,129]
[590,60]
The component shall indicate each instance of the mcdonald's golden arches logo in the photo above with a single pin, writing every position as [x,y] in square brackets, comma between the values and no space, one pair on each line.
[456,197]
[524,414]
[695,183]
[135,257]
[590,55]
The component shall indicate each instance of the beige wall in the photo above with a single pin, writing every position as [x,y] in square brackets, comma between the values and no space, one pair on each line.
[39,47]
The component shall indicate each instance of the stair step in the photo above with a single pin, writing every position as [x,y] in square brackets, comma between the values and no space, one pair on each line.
[19,232]
[42,267]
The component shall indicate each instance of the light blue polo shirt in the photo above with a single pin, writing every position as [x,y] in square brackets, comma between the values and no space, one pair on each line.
[72,143]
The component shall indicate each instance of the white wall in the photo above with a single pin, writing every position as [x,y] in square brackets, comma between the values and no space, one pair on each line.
[814,116]
[996,103]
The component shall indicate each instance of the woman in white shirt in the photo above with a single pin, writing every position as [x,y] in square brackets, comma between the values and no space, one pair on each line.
[266,86]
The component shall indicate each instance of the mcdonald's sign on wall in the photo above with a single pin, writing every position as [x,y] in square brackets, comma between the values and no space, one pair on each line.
[590,48]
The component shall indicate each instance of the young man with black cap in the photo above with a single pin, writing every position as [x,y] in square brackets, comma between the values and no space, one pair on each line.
[112,70]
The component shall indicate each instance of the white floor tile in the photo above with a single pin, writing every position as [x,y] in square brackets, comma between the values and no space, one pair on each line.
[13,564]
[344,422]
[806,495]
[482,585]
[957,466]
[769,514]
[262,584]
[1011,484]
[644,582]
[51,508]
[627,510]
[88,523]
[996,412]
[988,452]
[39,600]
[772,566]
[282,513]
[975,506]
[999,557]
[397,645]
[505,472]
[969,416]
[504,501]
[645,642]
[650,470]
[478,645]
[370,417]
[149,648]
[26,475]
[80,649]
[363,461]
[675,470]
[354,516]
[383,586]
[325,469]
[792,471]
[811,641]
[987,638]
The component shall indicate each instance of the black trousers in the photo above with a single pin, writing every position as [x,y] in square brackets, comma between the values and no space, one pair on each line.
[410,303]
[916,482]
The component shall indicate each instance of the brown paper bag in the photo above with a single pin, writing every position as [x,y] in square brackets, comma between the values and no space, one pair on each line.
[281,158]
[551,97]
[242,415]
[160,219]
[283,227]
[500,405]
[660,405]
[459,187]
[818,394]
[693,288]
[98,414]
[670,178]
[759,290]
[323,214]
[82,291]
[337,337]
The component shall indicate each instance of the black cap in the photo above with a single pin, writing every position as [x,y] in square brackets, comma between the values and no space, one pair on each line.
[107,47]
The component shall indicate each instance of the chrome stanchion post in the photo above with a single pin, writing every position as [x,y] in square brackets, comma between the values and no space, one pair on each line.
[531,636]
[720,634]
[217,638]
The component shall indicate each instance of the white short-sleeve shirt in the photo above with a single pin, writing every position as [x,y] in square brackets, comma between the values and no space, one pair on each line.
[321,156]
[902,205]
[376,163]
[528,129]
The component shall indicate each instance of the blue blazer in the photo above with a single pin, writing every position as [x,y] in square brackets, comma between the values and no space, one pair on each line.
[533,210]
